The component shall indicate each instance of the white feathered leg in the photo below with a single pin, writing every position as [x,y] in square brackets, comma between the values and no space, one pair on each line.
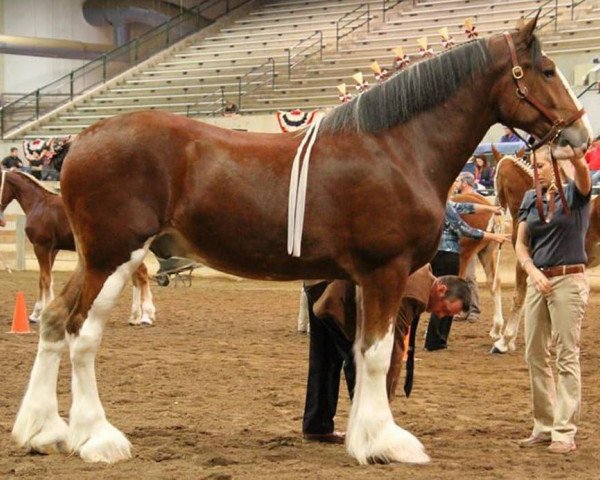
[38,427]
[372,435]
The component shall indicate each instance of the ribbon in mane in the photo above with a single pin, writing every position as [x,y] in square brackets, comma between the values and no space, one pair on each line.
[401,60]
[297,194]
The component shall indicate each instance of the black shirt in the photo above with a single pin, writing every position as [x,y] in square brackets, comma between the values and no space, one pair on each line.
[562,240]
[10,162]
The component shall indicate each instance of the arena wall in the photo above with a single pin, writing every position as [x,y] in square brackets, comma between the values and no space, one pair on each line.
[56,19]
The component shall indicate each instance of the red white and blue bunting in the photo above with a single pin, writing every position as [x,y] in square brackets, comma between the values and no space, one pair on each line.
[294,119]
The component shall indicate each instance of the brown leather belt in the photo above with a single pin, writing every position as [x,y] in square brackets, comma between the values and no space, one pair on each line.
[562,270]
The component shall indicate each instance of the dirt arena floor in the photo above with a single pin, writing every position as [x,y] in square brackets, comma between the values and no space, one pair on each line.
[215,390]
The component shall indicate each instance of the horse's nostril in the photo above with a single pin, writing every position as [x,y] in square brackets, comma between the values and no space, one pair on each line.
[563,142]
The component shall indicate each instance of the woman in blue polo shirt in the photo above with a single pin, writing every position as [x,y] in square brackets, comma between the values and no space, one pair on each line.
[553,256]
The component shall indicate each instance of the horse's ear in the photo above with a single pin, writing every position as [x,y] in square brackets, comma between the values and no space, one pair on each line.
[521,152]
[496,153]
[527,29]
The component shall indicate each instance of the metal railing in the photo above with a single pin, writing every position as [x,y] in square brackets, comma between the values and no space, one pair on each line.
[208,104]
[32,106]
[256,78]
[550,13]
[593,86]
[303,50]
[345,26]
[389,4]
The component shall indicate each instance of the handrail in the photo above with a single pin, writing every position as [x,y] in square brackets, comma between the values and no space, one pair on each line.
[31,106]
[338,28]
[394,4]
[220,100]
[595,85]
[249,79]
[318,41]
[552,13]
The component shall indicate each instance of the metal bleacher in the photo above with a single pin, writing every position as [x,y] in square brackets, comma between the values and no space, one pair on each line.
[288,54]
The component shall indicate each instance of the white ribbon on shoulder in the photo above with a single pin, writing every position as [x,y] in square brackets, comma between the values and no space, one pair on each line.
[297,194]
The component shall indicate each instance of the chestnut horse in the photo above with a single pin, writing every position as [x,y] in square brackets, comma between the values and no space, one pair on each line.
[514,176]
[380,172]
[48,229]
[486,251]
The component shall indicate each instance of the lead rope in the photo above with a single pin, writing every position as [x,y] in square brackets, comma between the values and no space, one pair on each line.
[297,194]
[536,179]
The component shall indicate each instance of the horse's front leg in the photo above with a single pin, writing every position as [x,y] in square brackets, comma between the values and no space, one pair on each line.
[372,434]
[45,258]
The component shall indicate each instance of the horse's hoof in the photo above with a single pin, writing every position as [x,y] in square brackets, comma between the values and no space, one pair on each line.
[495,350]
[104,444]
[33,319]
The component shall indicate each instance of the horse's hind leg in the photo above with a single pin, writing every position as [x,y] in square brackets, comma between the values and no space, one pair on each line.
[142,306]
[90,433]
[487,257]
[372,434]
[45,258]
[509,336]
[38,427]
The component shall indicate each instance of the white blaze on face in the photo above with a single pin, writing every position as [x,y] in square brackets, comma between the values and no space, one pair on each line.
[585,119]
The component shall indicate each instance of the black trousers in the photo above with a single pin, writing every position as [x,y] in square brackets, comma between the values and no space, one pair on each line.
[438,330]
[330,351]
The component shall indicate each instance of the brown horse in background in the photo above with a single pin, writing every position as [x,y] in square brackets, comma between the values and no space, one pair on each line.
[380,171]
[487,252]
[514,176]
[48,229]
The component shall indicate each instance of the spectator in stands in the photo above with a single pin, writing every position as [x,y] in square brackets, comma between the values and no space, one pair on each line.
[484,174]
[592,157]
[470,165]
[230,109]
[40,154]
[509,136]
[12,162]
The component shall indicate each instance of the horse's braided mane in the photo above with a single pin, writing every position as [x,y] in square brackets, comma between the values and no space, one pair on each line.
[416,89]
[34,180]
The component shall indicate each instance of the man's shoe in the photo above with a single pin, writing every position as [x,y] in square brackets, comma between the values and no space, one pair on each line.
[562,447]
[334,437]
[535,441]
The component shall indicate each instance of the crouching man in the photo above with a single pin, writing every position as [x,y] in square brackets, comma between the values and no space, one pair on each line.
[332,317]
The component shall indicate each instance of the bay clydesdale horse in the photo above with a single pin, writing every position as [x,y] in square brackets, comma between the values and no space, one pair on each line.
[380,171]
[48,229]
[514,176]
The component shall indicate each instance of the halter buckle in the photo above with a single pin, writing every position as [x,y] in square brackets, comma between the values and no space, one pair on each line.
[517,72]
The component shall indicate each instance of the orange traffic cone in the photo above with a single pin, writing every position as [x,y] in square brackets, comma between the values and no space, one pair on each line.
[406,341]
[20,322]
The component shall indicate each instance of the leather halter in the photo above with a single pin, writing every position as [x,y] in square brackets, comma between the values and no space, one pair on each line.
[558,125]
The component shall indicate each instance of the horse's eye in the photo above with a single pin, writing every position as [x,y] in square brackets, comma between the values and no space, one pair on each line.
[549,73]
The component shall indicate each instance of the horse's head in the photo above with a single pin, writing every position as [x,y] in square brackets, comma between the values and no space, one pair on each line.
[533,94]
[7,194]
